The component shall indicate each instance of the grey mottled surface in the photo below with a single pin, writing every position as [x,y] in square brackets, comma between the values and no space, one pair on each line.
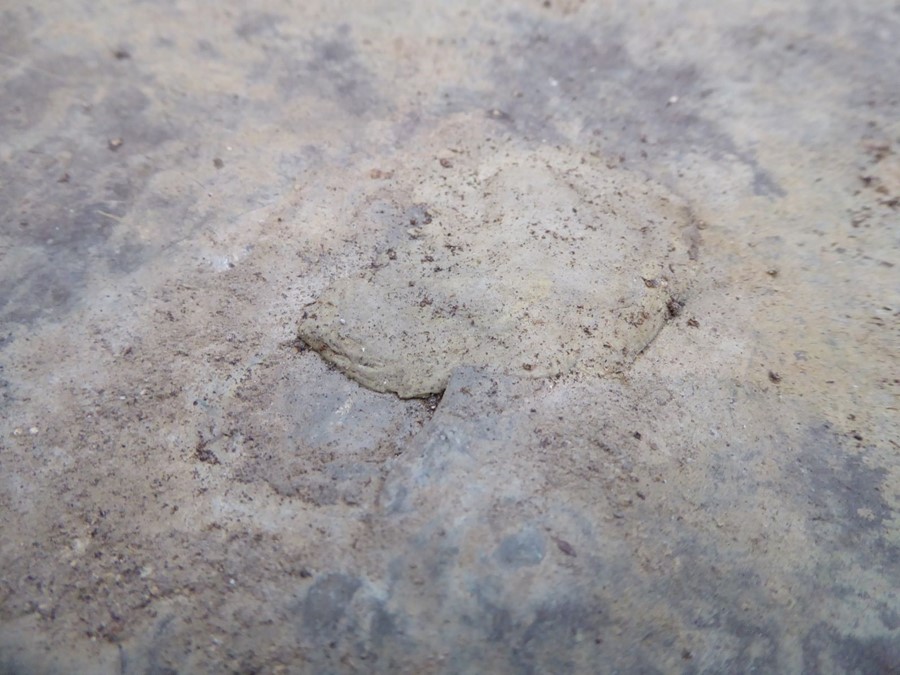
[185,488]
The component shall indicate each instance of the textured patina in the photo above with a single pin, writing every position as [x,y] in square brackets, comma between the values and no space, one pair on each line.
[537,263]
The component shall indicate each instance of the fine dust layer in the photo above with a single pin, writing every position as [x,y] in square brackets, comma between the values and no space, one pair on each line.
[535,263]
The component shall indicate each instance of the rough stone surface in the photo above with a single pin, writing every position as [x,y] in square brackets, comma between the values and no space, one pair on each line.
[185,487]
[538,263]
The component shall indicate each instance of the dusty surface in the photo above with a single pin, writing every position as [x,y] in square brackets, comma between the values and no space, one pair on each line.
[532,263]
[184,489]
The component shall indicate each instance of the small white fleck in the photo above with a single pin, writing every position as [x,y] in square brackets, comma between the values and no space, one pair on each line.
[673,100]
[33,430]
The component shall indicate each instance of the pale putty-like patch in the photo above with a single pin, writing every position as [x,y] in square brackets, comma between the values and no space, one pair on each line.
[535,263]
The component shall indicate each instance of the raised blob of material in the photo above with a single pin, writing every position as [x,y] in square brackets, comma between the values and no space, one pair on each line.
[536,263]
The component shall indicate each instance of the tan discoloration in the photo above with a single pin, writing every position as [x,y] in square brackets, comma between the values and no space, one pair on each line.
[535,264]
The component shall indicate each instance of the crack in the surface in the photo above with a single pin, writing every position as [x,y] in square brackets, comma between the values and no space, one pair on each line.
[674,308]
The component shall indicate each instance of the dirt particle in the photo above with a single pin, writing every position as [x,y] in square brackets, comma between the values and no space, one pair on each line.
[446,163]
[565,547]
[433,401]
[774,377]
[497,114]
[674,307]
[204,454]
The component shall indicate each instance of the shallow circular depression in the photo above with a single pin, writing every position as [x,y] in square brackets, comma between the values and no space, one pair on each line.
[530,262]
